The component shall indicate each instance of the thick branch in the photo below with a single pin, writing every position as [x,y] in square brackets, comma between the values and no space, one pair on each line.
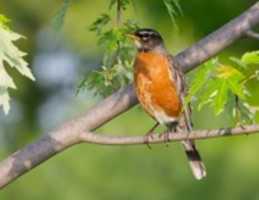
[90,137]
[54,142]
[220,39]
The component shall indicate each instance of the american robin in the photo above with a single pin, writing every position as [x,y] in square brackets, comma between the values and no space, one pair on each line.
[160,88]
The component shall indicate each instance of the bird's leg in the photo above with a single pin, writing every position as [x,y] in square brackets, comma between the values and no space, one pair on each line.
[181,126]
[149,134]
[172,127]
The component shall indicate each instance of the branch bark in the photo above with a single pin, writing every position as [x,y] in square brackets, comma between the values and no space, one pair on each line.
[105,139]
[75,131]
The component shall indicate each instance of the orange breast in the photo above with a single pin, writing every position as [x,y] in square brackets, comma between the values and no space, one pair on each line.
[155,88]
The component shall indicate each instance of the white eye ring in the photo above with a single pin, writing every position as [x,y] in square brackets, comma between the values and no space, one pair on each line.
[145,38]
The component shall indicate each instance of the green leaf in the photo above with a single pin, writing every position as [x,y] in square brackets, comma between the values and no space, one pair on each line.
[174,9]
[251,57]
[130,26]
[123,3]
[237,88]
[227,71]
[247,116]
[11,55]
[4,99]
[208,94]
[112,3]
[234,79]
[201,77]
[6,80]
[238,62]
[59,18]
[221,97]
[99,23]
[110,39]
[4,21]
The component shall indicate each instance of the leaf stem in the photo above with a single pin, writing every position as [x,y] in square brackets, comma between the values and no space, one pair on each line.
[119,13]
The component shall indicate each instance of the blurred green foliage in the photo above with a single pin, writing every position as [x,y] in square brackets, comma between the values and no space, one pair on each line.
[114,172]
[174,9]
[98,172]
[4,21]
[58,20]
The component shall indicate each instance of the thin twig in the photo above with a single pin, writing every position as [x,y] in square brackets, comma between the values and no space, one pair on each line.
[252,34]
[104,139]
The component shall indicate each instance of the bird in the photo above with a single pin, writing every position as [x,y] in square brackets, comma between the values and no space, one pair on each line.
[160,88]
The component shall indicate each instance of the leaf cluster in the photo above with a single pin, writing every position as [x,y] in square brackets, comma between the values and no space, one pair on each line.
[226,87]
[115,70]
[10,56]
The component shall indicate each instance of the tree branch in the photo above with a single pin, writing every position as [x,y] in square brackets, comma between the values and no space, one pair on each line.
[105,139]
[252,34]
[72,132]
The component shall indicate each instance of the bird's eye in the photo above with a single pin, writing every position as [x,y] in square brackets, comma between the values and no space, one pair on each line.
[145,38]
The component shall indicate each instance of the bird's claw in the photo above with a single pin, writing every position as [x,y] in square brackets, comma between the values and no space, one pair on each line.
[166,138]
[146,139]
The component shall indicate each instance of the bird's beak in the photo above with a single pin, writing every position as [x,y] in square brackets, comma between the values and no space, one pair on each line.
[135,39]
[132,37]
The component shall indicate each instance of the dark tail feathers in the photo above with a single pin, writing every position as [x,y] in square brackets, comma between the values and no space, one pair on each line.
[194,159]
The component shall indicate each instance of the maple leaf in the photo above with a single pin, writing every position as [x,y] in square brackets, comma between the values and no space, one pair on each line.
[10,56]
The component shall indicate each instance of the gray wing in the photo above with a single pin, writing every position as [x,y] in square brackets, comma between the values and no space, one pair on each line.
[193,156]
[178,77]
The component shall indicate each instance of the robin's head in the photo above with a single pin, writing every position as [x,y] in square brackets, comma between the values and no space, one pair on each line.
[147,39]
